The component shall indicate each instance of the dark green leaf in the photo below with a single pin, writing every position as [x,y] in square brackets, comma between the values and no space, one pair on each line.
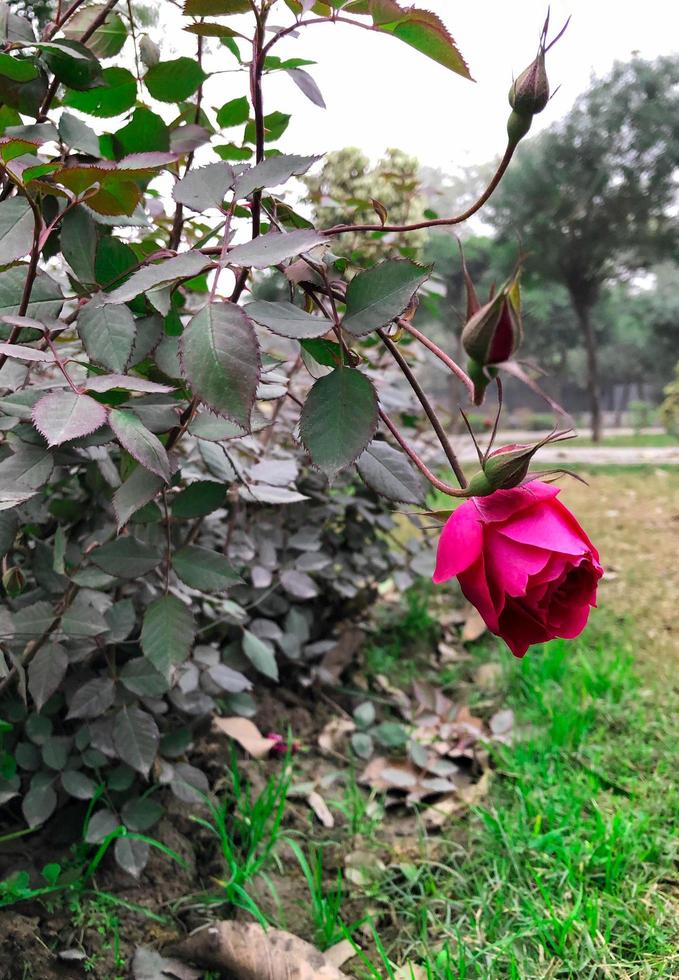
[78,135]
[92,699]
[173,81]
[46,299]
[137,490]
[133,436]
[275,125]
[18,69]
[142,678]
[220,359]
[391,474]
[287,320]
[46,672]
[167,633]
[79,243]
[198,499]
[144,132]
[229,151]
[16,229]
[339,419]
[118,94]
[216,8]
[126,558]
[107,331]
[426,32]
[72,63]
[78,785]
[39,804]
[101,824]
[131,854]
[378,295]
[205,570]
[136,737]
[140,814]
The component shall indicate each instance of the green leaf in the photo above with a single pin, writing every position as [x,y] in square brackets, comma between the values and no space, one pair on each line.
[72,63]
[378,295]
[79,243]
[216,8]
[136,738]
[78,135]
[107,40]
[198,499]
[137,490]
[16,229]
[427,33]
[205,187]
[46,671]
[64,415]
[287,320]
[391,474]
[260,655]
[275,125]
[141,444]
[205,570]
[78,785]
[233,113]
[144,132]
[39,804]
[117,95]
[325,352]
[272,172]
[229,151]
[126,558]
[220,359]
[46,299]
[131,854]
[18,69]
[114,261]
[142,678]
[26,97]
[81,619]
[140,814]
[163,273]
[339,419]
[274,247]
[167,633]
[107,331]
[173,81]
[92,699]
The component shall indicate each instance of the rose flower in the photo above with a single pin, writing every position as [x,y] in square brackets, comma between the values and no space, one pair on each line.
[524,561]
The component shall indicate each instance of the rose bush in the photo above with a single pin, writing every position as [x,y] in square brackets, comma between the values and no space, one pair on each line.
[524,561]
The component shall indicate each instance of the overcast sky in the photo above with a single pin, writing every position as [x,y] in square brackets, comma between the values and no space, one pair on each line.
[380,93]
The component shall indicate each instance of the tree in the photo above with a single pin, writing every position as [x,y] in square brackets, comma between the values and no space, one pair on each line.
[591,197]
[344,191]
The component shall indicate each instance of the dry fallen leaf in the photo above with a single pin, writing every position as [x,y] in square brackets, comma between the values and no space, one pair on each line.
[336,660]
[474,627]
[320,808]
[246,733]
[340,953]
[333,732]
[411,971]
[247,952]
[488,677]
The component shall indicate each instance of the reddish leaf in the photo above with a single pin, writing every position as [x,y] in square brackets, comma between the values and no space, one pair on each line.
[64,415]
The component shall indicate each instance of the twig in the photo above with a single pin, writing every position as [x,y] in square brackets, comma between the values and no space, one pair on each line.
[419,463]
[427,406]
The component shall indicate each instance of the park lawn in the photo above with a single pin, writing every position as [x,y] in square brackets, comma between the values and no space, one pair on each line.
[641,440]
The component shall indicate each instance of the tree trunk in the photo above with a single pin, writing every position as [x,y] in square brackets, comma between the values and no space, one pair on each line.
[583,312]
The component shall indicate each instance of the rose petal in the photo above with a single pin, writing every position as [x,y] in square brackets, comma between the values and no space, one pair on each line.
[460,543]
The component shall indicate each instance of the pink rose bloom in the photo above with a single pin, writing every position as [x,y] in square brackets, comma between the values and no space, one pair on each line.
[524,561]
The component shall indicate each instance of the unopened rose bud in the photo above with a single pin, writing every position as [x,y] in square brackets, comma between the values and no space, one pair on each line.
[529,93]
[507,467]
[493,334]
[13,581]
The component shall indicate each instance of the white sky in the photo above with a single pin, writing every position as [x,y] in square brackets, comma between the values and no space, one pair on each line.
[380,93]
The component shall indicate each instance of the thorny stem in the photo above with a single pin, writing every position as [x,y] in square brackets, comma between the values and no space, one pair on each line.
[178,220]
[442,356]
[30,275]
[426,405]
[419,463]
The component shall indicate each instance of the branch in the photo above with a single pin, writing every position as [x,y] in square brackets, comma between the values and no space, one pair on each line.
[442,356]
[30,274]
[178,220]
[436,222]
[427,406]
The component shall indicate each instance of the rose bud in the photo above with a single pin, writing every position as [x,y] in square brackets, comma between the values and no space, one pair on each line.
[524,562]
[529,93]
[507,467]
[493,334]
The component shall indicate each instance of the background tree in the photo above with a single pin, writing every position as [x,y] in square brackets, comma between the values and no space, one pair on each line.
[591,197]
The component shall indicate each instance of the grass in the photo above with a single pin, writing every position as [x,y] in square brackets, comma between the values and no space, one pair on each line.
[639,440]
[567,870]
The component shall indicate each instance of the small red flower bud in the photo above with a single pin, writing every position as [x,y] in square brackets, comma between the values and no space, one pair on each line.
[507,467]
[529,93]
